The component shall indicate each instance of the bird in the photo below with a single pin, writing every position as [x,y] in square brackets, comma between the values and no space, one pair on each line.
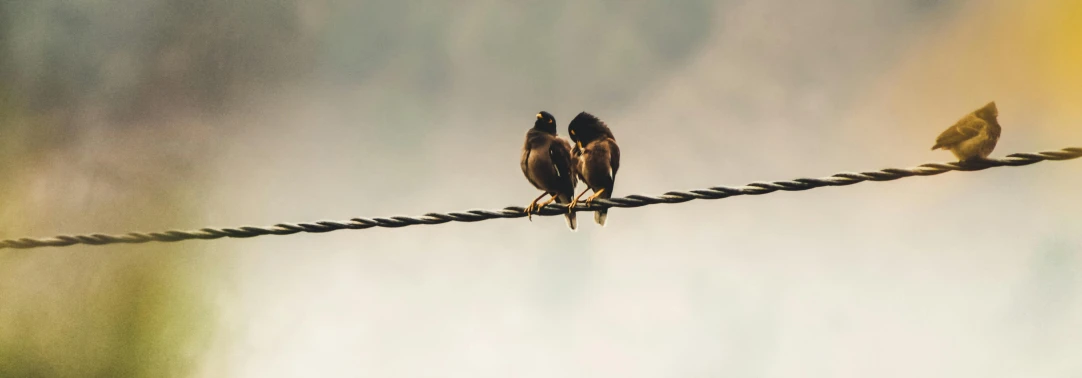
[974,136]
[549,166]
[598,159]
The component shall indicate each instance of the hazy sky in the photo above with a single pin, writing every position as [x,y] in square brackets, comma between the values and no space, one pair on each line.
[403,108]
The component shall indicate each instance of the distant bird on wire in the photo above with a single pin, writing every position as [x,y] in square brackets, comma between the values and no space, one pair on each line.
[549,166]
[598,159]
[974,136]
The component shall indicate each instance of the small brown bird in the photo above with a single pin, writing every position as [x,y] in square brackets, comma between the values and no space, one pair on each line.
[548,164]
[598,159]
[974,136]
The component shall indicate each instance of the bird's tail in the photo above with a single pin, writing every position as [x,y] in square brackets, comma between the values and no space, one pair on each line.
[601,215]
[572,221]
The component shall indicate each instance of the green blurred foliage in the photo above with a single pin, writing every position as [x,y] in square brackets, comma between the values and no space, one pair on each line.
[145,320]
[116,311]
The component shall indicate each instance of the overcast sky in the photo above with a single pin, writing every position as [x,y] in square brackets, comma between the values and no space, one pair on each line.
[403,108]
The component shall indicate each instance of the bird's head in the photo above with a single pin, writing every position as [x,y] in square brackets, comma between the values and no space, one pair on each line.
[988,111]
[586,128]
[545,122]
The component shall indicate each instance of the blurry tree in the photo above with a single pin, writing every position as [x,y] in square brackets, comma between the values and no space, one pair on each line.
[104,112]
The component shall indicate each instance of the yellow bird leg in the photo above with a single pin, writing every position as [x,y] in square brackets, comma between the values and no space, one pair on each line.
[553,198]
[529,215]
[576,200]
[591,199]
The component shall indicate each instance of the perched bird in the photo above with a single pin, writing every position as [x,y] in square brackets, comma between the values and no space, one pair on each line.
[548,164]
[974,136]
[598,159]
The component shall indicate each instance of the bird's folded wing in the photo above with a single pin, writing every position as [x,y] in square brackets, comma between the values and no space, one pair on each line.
[960,132]
[614,158]
[560,155]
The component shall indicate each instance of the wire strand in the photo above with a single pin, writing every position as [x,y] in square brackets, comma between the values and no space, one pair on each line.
[718,192]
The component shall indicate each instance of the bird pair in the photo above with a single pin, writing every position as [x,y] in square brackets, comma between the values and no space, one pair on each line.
[974,136]
[554,167]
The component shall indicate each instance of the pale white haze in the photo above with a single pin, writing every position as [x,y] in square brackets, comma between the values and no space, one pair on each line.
[381,108]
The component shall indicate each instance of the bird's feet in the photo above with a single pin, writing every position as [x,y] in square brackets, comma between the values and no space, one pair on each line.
[529,210]
[533,207]
[576,199]
[540,206]
[973,163]
[596,194]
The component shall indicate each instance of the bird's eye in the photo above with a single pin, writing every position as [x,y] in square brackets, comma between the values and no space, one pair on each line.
[572,132]
[550,121]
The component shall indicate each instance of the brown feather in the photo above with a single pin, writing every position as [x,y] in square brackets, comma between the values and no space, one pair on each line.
[974,136]
[547,164]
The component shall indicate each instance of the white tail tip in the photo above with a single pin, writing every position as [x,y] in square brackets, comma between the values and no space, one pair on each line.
[572,222]
[600,217]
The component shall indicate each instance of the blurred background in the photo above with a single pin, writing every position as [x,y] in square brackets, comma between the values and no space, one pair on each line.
[144,115]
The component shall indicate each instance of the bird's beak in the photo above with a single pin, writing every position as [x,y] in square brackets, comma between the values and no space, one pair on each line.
[539,116]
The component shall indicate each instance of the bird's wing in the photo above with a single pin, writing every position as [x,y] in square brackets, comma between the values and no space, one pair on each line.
[614,158]
[560,155]
[965,129]
[597,167]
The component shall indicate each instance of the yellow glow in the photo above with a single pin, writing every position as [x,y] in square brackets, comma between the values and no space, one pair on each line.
[1059,52]
[1024,56]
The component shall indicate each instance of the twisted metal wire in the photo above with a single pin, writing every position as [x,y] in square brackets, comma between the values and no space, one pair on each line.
[718,192]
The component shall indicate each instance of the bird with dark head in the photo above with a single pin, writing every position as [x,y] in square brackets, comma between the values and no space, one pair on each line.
[549,166]
[598,159]
[974,136]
